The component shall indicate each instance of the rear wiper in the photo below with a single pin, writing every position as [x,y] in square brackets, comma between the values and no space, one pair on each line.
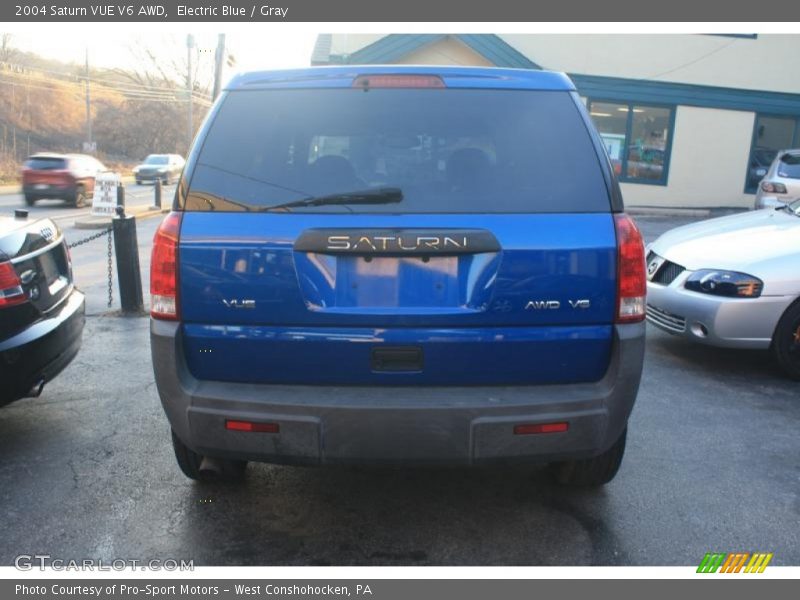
[384,195]
[788,208]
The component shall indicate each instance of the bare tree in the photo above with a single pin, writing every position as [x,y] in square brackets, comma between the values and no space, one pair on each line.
[167,66]
[7,50]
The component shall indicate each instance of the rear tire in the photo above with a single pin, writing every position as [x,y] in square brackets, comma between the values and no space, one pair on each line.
[30,200]
[189,462]
[591,472]
[79,201]
[786,342]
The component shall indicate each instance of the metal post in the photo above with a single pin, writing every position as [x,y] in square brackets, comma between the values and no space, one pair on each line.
[129,275]
[190,91]
[218,58]
[157,189]
[88,105]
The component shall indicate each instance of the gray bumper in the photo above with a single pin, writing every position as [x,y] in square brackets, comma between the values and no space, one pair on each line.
[403,425]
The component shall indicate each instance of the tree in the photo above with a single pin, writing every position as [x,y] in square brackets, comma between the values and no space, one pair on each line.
[7,50]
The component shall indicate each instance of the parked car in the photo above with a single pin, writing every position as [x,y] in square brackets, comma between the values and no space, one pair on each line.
[41,310]
[760,161]
[166,167]
[68,177]
[781,184]
[382,268]
[731,282]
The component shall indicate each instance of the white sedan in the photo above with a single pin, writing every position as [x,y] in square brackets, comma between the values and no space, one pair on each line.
[731,282]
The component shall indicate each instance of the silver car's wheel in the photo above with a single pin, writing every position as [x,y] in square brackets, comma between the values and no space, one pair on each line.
[786,341]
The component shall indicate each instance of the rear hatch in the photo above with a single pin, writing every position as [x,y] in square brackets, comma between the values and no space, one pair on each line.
[44,172]
[37,254]
[425,236]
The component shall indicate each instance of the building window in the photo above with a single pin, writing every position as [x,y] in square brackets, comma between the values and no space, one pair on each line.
[771,134]
[637,138]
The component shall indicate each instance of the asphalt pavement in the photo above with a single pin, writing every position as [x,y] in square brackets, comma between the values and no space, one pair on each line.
[711,465]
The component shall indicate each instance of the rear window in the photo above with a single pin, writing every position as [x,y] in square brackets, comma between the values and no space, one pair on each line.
[40,163]
[789,166]
[449,151]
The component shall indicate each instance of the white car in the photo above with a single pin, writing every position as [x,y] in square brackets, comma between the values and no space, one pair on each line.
[732,282]
[781,184]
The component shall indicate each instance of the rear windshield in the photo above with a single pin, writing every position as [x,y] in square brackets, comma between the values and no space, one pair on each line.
[789,166]
[448,151]
[40,163]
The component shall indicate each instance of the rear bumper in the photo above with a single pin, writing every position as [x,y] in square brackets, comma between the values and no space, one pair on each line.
[400,425]
[53,191]
[43,350]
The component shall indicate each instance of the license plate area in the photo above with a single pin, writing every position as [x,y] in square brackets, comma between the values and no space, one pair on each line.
[397,359]
[386,282]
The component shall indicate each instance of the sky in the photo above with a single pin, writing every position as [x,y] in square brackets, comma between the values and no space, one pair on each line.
[115,45]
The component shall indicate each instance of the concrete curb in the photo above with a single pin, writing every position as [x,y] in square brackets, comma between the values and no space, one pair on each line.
[141,212]
[667,212]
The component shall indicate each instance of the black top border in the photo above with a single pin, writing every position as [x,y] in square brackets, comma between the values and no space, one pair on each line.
[438,11]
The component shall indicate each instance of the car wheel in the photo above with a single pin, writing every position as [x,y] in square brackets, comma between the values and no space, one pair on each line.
[30,200]
[591,472]
[189,462]
[786,341]
[79,201]
[138,182]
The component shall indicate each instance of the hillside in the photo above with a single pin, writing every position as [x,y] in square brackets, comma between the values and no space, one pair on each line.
[43,108]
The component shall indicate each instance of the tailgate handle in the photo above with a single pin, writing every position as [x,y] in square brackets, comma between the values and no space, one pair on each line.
[397,242]
[397,358]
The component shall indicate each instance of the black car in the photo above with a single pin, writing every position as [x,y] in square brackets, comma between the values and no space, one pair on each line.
[166,167]
[41,311]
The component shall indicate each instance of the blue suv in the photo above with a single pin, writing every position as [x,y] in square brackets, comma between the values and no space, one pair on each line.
[398,265]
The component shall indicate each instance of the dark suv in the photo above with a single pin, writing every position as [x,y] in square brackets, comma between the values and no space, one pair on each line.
[68,177]
[402,265]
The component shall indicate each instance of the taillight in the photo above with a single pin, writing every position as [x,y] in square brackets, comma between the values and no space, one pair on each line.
[164,269]
[398,81]
[773,188]
[631,279]
[11,292]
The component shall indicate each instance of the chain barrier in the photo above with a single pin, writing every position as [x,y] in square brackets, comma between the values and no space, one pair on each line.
[110,251]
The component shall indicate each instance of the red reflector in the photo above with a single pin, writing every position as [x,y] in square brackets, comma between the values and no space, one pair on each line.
[250,426]
[540,428]
[398,81]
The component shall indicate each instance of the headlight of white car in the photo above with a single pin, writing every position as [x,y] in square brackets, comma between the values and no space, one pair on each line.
[724,283]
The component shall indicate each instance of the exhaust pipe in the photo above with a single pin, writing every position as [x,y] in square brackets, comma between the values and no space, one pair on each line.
[36,389]
[211,467]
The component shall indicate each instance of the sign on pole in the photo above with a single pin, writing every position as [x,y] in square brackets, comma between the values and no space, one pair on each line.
[104,203]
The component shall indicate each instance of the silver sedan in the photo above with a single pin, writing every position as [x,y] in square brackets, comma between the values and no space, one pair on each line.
[732,282]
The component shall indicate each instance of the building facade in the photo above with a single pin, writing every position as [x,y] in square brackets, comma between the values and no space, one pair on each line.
[689,121]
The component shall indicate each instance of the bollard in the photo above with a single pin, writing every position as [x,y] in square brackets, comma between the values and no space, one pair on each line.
[121,195]
[157,201]
[127,253]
